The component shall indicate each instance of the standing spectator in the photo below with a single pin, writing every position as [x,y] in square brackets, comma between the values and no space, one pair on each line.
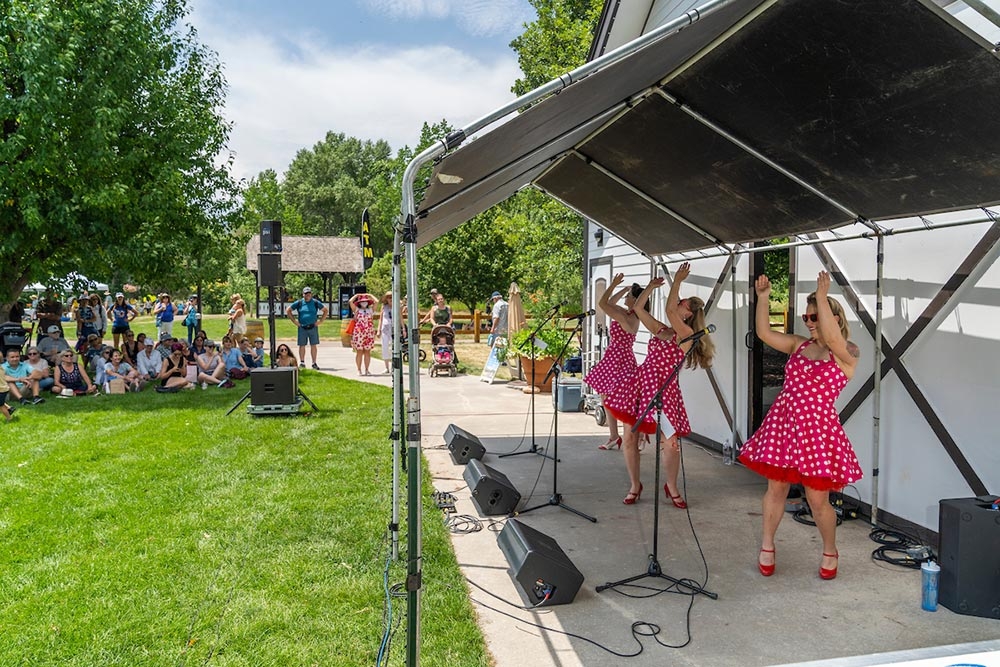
[121,313]
[309,314]
[86,319]
[386,330]
[191,318]
[20,382]
[71,377]
[165,311]
[52,344]
[49,314]
[801,439]
[40,369]
[363,338]
[238,318]
[499,315]
[440,313]
[100,315]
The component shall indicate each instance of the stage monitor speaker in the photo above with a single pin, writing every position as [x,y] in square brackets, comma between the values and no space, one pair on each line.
[274,386]
[462,445]
[270,236]
[969,556]
[538,566]
[492,492]
[269,270]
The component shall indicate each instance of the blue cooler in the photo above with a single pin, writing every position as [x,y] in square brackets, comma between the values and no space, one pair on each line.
[569,396]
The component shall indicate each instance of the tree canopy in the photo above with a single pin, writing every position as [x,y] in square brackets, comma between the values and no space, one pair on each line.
[113,143]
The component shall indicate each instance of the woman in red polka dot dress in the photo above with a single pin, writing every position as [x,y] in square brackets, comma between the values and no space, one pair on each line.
[801,439]
[663,353]
[617,365]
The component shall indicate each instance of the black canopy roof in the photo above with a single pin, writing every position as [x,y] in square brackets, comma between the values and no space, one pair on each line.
[762,119]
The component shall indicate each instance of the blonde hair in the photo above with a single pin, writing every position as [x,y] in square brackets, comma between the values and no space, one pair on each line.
[704,349]
[837,310]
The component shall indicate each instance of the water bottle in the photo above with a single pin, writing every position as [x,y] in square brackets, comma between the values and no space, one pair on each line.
[930,573]
[727,453]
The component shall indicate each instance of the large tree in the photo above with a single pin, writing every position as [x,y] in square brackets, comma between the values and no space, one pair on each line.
[111,141]
[556,42]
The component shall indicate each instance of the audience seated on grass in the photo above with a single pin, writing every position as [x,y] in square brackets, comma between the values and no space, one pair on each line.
[53,344]
[149,362]
[20,384]
[212,368]
[236,368]
[258,352]
[71,378]
[116,371]
[173,371]
[40,369]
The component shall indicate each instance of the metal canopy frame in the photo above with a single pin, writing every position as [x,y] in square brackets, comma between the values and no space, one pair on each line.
[740,121]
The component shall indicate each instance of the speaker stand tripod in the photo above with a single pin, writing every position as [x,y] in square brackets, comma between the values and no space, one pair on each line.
[534,449]
[653,569]
[556,498]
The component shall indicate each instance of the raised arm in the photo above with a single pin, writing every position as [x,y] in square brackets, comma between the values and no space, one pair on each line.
[781,342]
[639,308]
[610,298]
[674,316]
[844,351]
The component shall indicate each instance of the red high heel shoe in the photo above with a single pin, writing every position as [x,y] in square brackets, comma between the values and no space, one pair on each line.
[611,444]
[766,570]
[677,500]
[632,497]
[826,574]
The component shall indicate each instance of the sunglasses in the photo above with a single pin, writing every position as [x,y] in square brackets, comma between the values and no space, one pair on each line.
[32,354]
[810,317]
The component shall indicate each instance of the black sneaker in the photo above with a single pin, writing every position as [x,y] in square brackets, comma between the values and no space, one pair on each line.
[315,367]
[302,364]
[36,400]
[24,401]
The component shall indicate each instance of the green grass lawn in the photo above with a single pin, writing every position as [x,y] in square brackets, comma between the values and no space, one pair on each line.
[151,529]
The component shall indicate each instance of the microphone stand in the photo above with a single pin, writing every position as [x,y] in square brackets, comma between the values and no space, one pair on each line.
[556,497]
[535,449]
[653,570]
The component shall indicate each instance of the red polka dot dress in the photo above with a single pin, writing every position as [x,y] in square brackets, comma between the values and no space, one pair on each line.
[618,363]
[801,439]
[630,398]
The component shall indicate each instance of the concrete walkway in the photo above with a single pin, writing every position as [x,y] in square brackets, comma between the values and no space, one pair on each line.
[788,618]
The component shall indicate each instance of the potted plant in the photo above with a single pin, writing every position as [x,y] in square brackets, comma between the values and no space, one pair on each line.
[545,344]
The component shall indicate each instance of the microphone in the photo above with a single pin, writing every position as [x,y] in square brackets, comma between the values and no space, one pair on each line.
[582,316]
[558,305]
[698,334]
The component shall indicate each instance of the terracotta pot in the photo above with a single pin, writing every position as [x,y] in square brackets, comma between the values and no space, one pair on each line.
[542,366]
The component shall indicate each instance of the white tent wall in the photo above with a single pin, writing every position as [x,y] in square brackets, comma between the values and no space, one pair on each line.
[954,363]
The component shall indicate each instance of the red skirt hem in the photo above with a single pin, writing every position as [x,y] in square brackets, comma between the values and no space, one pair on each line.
[792,476]
[622,417]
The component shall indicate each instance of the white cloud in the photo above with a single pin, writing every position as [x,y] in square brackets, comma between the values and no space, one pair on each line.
[477,17]
[281,103]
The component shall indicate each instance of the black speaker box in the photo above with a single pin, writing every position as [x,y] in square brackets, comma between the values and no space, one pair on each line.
[492,492]
[462,445]
[274,386]
[270,236]
[538,566]
[269,270]
[969,556]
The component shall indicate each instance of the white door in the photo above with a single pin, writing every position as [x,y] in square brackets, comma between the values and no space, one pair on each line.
[597,327]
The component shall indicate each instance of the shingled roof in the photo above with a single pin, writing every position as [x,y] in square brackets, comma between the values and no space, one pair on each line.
[313,254]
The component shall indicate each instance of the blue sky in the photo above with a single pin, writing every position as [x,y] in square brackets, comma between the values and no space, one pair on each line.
[373,69]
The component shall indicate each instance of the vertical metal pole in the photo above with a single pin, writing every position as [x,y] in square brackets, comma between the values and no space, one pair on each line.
[877,393]
[397,387]
[736,343]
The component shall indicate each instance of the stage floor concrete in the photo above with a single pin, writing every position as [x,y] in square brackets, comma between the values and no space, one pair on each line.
[791,617]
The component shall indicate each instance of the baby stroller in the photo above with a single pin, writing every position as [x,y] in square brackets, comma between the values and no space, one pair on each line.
[13,336]
[443,351]
[404,341]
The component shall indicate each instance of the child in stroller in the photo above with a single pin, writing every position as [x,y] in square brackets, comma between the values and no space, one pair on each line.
[443,342]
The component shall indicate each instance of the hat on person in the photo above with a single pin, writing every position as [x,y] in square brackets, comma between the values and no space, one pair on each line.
[52,329]
[307,290]
[209,343]
[258,339]
[119,294]
[434,290]
[496,295]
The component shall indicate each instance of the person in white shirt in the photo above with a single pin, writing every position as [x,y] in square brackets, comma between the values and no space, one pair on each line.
[40,369]
[149,361]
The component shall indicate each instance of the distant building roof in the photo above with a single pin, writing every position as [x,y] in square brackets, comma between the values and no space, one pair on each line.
[313,254]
